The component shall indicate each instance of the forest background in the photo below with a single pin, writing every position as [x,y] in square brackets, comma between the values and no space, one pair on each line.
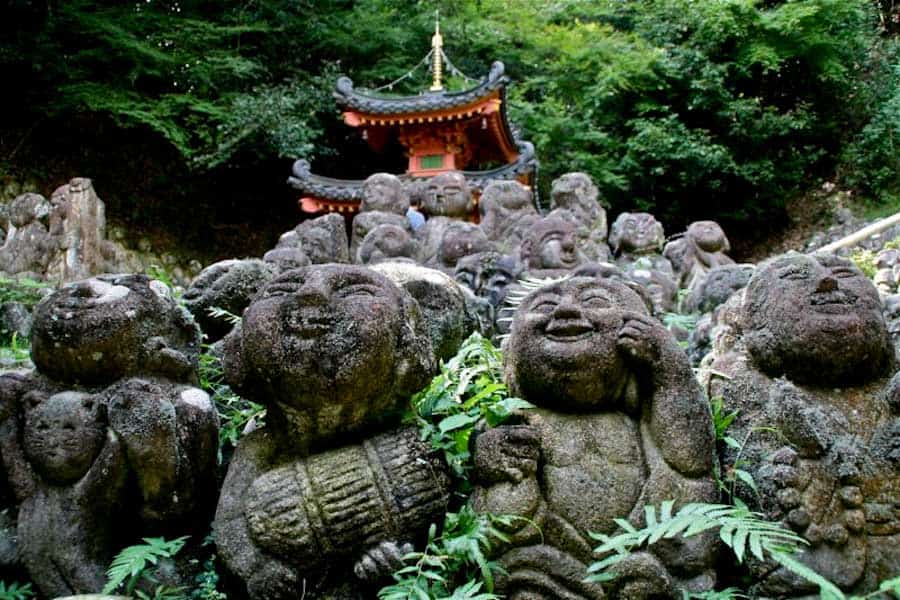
[188,113]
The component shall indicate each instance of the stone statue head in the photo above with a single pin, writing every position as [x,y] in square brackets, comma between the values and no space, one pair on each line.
[324,239]
[551,244]
[448,195]
[365,222]
[442,301]
[331,349]
[562,352]
[577,193]
[502,197]
[63,434]
[718,285]
[229,285]
[636,233]
[461,239]
[110,326]
[384,192]
[285,258]
[708,236]
[386,242]
[816,319]
[487,274]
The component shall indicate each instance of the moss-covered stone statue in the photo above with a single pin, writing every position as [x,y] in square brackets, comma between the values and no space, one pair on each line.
[813,378]
[108,440]
[331,485]
[620,423]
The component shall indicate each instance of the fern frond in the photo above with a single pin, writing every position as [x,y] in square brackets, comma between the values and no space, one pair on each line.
[129,564]
[220,313]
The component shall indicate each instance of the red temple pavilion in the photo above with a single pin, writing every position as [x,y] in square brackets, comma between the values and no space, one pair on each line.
[437,129]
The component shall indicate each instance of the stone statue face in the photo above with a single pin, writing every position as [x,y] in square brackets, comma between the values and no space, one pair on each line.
[720,283]
[815,319]
[506,196]
[708,236]
[459,240]
[448,195]
[336,341]
[551,245]
[63,435]
[324,239]
[637,233]
[95,330]
[487,274]
[576,192]
[384,192]
[385,242]
[562,351]
[365,222]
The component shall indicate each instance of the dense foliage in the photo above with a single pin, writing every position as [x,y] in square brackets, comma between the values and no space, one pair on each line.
[686,108]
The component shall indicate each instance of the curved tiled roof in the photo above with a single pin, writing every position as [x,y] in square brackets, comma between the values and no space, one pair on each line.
[369,103]
[351,190]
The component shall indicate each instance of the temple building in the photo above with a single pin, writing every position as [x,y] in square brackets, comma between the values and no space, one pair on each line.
[438,130]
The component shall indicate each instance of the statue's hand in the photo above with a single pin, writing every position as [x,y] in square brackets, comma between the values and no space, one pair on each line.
[640,338]
[507,453]
[380,561]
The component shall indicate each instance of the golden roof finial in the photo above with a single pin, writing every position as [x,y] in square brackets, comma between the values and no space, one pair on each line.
[437,43]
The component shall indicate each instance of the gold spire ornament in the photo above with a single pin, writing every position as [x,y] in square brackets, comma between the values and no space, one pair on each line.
[437,43]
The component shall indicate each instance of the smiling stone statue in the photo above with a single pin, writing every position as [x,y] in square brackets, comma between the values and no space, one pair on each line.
[620,424]
[331,484]
[810,377]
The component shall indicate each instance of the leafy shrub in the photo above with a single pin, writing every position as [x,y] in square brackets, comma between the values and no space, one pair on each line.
[468,393]
[234,412]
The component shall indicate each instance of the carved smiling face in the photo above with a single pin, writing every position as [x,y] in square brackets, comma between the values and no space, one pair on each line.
[815,319]
[562,351]
[551,244]
[448,195]
[342,343]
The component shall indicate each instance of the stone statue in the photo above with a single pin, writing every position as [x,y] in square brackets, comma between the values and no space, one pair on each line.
[701,249]
[507,213]
[387,243]
[324,239]
[444,304]
[448,195]
[365,222]
[447,199]
[460,239]
[660,287]
[108,440]
[488,276]
[620,423]
[385,193]
[811,379]
[285,258]
[29,247]
[576,193]
[639,235]
[717,286]
[550,249]
[595,249]
[229,285]
[331,481]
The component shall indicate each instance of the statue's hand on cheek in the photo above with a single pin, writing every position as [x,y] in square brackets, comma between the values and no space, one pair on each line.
[640,338]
